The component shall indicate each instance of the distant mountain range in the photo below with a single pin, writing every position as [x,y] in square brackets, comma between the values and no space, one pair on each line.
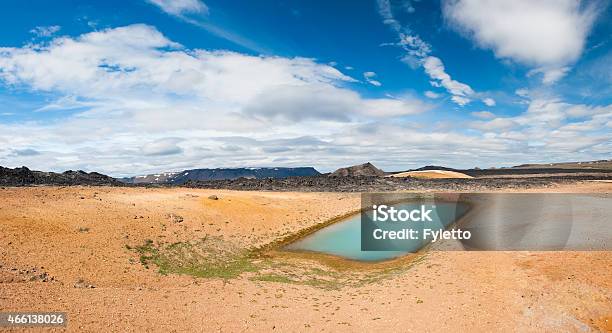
[25,177]
[218,174]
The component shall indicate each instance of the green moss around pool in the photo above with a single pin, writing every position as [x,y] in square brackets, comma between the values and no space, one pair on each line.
[208,257]
[211,257]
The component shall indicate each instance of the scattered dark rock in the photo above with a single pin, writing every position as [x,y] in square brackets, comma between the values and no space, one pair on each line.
[26,177]
[82,284]
[16,275]
[175,218]
[382,184]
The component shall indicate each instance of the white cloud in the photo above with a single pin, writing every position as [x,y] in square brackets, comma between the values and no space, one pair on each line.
[45,31]
[418,53]
[194,12]
[68,102]
[549,75]
[523,92]
[415,45]
[141,103]
[460,100]
[131,89]
[494,124]
[312,102]
[181,7]
[489,101]
[551,126]
[432,95]
[545,34]
[369,77]
[162,147]
[135,60]
[387,107]
[386,12]
[435,69]
[483,114]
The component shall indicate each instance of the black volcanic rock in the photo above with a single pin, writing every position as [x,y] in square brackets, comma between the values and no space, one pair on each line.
[362,170]
[178,178]
[381,184]
[24,176]
[17,176]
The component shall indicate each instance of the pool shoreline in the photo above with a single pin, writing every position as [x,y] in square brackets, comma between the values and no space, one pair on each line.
[277,247]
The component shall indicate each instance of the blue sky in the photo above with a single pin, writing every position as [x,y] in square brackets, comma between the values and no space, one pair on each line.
[129,87]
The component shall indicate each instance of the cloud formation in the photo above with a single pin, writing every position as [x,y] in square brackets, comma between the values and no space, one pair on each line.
[435,69]
[181,7]
[131,88]
[161,147]
[129,100]
[195,12]
[419,54]
[369,77]
[45,31]
[545,34]
[551,125]
[489,101]
[432,95]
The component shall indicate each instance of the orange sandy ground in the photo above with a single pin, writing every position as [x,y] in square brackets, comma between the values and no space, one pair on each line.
[459,291]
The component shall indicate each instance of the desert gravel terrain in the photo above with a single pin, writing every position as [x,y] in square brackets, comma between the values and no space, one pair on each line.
[97,253]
